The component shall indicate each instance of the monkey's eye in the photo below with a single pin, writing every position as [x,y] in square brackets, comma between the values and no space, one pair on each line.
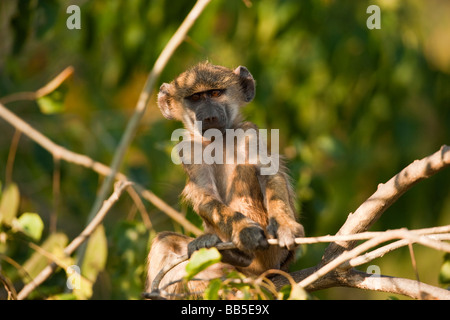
[195,97]
[216,93]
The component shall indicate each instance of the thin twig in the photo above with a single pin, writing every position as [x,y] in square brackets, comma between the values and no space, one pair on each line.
[107,204]
[56,193]
[82,160]
[9,287]
[12,156]
[387,236]
[48,88]
[142,103]
[414,265]
[407,287]
[21,270]
[44,274]
[380,252]
[371,210]
[374,239]
[140,207]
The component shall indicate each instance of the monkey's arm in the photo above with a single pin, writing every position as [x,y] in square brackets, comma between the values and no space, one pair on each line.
[223,221]
[282,224]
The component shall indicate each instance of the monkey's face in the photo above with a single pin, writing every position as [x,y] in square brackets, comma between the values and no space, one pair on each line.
[210,109]
[207,96]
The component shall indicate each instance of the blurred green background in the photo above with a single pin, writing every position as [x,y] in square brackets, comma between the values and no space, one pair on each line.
[354,106]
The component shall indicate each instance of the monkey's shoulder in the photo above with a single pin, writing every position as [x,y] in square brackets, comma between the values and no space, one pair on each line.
[245,125]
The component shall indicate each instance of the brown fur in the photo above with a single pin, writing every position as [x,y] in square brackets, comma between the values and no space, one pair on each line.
[235,201]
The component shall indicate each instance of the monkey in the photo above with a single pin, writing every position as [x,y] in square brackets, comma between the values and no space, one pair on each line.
[236,201]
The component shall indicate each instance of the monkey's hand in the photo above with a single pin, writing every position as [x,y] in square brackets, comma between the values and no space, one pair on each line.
[248,235]
[234,257]
[285,230]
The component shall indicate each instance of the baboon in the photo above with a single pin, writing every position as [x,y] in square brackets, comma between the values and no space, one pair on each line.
[236,202]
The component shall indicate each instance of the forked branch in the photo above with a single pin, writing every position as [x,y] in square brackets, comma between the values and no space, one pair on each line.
[371,210]
[335,269]
[81,238]
[112,173]
[430,237]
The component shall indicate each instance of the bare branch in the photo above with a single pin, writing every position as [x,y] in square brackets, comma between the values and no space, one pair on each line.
[9,287]
[369,212]
[96,215]
[141,106]
[308,277]
[62,153]
[139,205]
[44,274]
[12,156]
[377,253]
[48,88]
[386,236]
[56,193]
[406,287]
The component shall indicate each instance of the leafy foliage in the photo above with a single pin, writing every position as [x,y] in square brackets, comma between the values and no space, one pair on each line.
[235,285]
[201,260]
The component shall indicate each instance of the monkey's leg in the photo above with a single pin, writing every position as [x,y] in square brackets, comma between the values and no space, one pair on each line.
[168,246]
[223,221]
[282,224]
[234,257]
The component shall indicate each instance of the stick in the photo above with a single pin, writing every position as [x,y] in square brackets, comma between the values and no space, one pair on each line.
[82,237]
[387,236]
[407,287]
[370,211]
[141,106]
[48,88]
[62,153]
[419,236]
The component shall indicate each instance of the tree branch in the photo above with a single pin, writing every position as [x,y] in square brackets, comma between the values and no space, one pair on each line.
[44,274]
[407,287]
[112,173]
[371,210]
[319,277]
[9,287]
[362,259]
[386,236]
[62,153]
[49,87]
[144,97]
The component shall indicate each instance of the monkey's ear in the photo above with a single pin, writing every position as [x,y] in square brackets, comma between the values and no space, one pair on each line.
[247,82]
[164,101]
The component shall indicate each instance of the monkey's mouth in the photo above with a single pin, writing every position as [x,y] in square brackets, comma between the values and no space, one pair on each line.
[211,118]
[213,122]
[205,128]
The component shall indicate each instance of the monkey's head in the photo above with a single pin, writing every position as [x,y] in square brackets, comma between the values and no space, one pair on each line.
[208,94]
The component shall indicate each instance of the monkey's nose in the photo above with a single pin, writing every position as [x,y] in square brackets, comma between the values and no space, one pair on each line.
[211,120]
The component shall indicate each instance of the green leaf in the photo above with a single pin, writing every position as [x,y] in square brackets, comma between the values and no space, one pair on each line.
[284,292]
[212,291]
[444,273]
[9,204]
[93,263]
[201,260]
[53,102]
[31,224]
[129,243]
[96,254]
[54,244]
